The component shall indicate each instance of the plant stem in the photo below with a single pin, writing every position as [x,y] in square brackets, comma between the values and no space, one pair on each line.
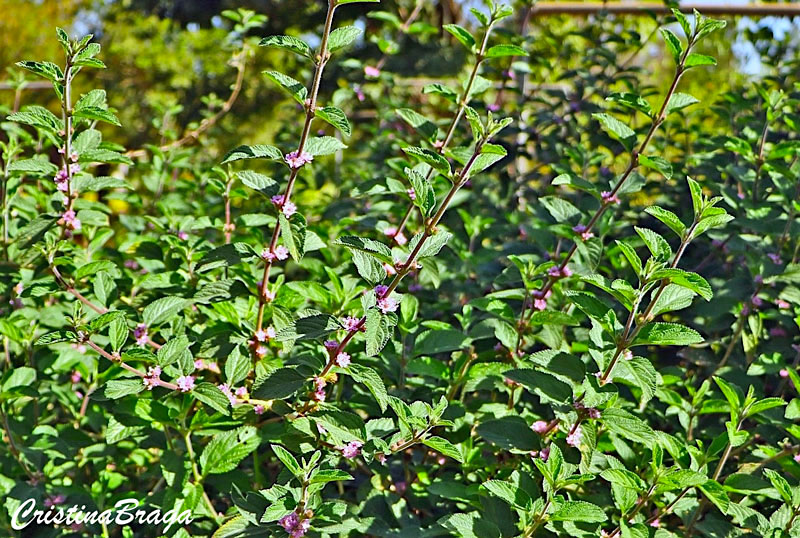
[412,257]
[198,478]
[311,106]
[125,366]
[462,105]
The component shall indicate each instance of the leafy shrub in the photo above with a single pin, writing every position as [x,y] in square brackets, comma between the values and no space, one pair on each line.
[451,340]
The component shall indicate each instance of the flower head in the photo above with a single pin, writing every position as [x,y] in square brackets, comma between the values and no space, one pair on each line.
[581,230]
[258,409]
[351,449]
[575,436]
[185,383]
[609,198]
[352,324]
[226,390]
[153,377]
[330,345]
[296,160]
[774,258]
[540,426]
[289,209]
[281,252]
[140,334]
[380,290]
[372,71]
[412,194]
[342,360]
[387,304]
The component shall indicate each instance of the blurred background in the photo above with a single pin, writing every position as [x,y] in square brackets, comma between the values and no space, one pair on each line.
[173,63]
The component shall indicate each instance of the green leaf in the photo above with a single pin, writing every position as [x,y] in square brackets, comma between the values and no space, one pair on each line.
[680,101]
[420,123]
[309,328]
[56,337]
[296,89]
[732,394]
[462,35]
[342,37]
[509,432]
[210,395]
[379,329]
[667,217]
[686,279]
[617,129]
[658,164]
[162,310]
[445,447]
[433,341]
[433,243]
[640,373]
[631,100]
[294,234]
[657,245]
[543,384]
[696,60]
[96,113]
[119,388]
[323,145]
[510,493]
[336,117]
[237,367]
[780,483]
[47,70]
[259,151]
[697,196]
[323,476]
[425,196]
[763,405]
[289,43]
[36,166]
[628,426]
[369,246]
[716,494]
[98,323]
[430,158]
[499,51]
[673,44]
[39,117]
[227,449]
[578,511]
[373,382]
[667,334]
[265,185]
[288,460]
[279,383]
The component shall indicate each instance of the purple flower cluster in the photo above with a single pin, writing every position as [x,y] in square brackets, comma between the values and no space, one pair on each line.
[294,525]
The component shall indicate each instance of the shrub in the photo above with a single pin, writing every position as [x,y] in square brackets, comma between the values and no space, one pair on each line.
[449,340]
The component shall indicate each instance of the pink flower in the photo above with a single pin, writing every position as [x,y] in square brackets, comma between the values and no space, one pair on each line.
[75,377]
[140,334]
[199,364]
[575,436]
[213,367]
[342,360]
[389,268]
[153,377]
[278,199]
[775,258]
[330,344]
[655,523]
[784,372]
[241,392]
[372,71]
[594,413]
[351,449]
[540,426]
[412,194]
[398,236]
[261,335]
[609,198]
[387,304]
[544,453]
[780,303]
[797,457]
[757,301]
[380,290]
[70,220]
[281,252]
[226,390]
[580,229]
[185,383]
[269,296]
[627,355]
[352,324]
[183,235]
[258,409]
[260,351]
[54,500]
[289,521]
[559,272]
[295,160]
[289,209]
[381,457]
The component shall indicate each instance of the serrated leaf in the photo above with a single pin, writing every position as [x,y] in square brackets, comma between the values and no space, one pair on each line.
[336,117]
[227,449]
[499,51]
[373,382]
[445,447]
[323,145]
[578,511]
[289,43]
[679,101]
[294,88]
[342,37]
[462,35]
[259,151]
[161,310]
[667,334]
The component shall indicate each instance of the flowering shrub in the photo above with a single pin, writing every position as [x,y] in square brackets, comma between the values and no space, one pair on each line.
[515,315]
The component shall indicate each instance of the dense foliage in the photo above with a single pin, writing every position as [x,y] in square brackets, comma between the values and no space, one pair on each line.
[547,293]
